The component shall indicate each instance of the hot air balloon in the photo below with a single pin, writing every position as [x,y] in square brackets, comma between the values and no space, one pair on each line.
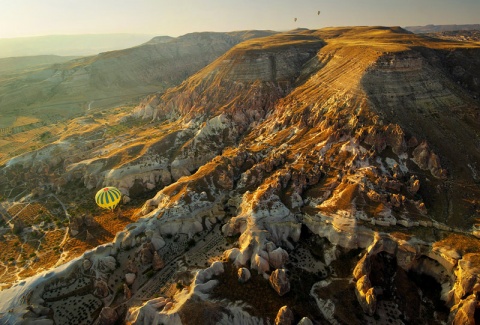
[108,197]
[318,13]
[295,19]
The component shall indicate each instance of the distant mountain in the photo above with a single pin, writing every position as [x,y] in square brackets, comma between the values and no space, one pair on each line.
[159,40]
[25,63]
[457,35]
[441,28]
[69,45]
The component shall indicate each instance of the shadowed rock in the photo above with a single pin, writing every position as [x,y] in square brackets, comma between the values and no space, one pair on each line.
[279,281]
[284,316]
[243,275]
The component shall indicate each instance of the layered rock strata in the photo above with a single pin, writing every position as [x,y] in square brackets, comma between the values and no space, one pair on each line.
[316,138]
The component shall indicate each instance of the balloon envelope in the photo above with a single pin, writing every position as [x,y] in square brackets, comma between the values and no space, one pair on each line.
[108,197]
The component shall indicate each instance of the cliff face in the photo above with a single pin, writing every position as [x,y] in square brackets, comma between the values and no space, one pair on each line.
[251,75]
[308,147]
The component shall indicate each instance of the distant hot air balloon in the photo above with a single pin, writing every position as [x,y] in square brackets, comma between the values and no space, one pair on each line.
[318,13]
[294,19]
[108,197]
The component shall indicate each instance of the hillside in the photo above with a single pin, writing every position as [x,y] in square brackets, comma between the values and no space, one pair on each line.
[16,65]
[45,96]
[315,175]
[112,77]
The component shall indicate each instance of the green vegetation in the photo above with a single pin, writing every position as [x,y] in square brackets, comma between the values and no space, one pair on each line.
[191,242]
[150,274]
[45,136]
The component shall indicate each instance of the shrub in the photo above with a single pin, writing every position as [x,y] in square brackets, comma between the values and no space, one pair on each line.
[191,242]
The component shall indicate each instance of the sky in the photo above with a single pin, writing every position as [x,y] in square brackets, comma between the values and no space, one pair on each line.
[20,18]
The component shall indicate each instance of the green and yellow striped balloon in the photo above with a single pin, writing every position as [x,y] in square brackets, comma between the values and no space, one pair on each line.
[108,197]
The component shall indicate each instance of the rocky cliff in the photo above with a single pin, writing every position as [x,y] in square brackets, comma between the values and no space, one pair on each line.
[337,167]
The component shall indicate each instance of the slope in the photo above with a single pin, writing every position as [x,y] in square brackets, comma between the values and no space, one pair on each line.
[335,154]
[112,77]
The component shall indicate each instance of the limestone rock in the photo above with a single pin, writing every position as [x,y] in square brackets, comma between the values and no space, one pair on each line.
[464,312]
[406,255]
[89,236]
[157,262]
[41,310]
[260,263]
[204,275]
[127,293]
[243,275]
[366,295]
[284,316]
[362,268]
[421,207]
[397,200]
[87,264]
[277,258]
[101,288]
[146,252]
[468,276]
[154,311]
[130,278]
[108,316]
[305,321]
[131,267]
[157,241]
[428,160]
[107,263]
[413,185]
[279,281]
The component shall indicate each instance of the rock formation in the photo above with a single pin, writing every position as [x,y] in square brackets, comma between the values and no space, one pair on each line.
[279,281]
[108,316]
[129,278]
[243,275]
[342,154]
[157,262]
[284,316]
[127,293]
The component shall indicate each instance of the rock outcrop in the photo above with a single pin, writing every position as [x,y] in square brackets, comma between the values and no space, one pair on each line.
[108,316]
[279,281]
[284,316]
[243,275]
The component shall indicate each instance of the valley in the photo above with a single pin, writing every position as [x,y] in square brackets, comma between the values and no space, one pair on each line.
[318,176]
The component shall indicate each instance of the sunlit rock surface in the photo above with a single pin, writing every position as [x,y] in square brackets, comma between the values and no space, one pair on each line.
[330,171]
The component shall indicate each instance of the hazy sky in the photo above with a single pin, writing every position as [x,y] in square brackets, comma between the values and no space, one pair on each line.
[178,17]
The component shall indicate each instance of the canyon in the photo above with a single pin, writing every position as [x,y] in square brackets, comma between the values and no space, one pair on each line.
[303,177]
